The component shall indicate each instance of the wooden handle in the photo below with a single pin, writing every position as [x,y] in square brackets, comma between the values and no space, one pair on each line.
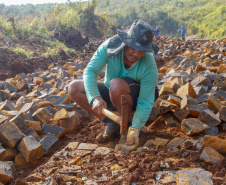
[111,115]
[124,115]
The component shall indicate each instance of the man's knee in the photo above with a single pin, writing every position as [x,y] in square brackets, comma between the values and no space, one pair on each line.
[119,86]
[75,87]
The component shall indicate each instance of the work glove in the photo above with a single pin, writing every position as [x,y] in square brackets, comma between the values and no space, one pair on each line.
[132,136]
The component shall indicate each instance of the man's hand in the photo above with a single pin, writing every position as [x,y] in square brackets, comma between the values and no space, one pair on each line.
[98,104]
[132,136]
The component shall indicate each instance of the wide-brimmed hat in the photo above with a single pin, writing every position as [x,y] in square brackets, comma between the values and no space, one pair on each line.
[140,37]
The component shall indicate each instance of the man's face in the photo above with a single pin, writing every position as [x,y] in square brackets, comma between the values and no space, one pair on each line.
[131,55]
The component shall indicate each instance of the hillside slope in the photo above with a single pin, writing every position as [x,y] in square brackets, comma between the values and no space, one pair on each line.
[206,19]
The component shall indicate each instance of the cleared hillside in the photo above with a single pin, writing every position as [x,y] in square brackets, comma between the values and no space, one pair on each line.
[203,18]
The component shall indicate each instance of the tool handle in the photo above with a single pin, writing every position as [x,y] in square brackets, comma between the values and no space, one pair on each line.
[124,115]
[111,115]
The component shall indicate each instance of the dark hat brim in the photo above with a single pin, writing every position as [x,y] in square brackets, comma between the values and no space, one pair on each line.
[118,42]
[126,38]
[115,45]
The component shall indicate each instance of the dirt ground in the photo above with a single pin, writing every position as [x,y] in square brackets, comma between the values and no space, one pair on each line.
[12,64]
[142,168]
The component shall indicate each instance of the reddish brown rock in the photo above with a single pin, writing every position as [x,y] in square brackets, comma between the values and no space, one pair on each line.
[192,126]
[215,143]
[10,134]
[209,118]
[181,114]
[213,103]
[211,156]
[187,89]
[30,149]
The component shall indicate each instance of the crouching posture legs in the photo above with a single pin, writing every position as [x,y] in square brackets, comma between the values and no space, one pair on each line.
[109,99]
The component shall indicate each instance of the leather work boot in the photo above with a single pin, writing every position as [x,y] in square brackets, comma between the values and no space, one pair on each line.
[111,130]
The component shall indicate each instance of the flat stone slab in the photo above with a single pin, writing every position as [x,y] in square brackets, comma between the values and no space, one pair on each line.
[195,176]
[176,142]
[160,142]
[71,146]
[192,126]
[87,146]
[103,151]
[125,148]
[211,156]
[81,153]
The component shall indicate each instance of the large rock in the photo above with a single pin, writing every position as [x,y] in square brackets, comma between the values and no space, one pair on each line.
[181,114]
[195,176]
[54,130]
[176,142]
[209,118]
[213,103]
[10,134]
[192,126]
[6,173]
[215,143]
[187,89]
[72,123]
[222,114]
[47,142]
[211,156]
[42,115]
[30,148]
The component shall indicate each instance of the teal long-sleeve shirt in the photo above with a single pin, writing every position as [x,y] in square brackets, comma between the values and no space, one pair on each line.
[143,71]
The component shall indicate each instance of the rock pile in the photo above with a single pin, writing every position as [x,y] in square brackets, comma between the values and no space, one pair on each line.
[35,111]
[192,88]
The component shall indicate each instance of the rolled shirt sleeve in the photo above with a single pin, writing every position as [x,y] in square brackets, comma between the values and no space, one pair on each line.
[94,67]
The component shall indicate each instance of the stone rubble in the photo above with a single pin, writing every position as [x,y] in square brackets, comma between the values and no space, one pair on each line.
[36,111]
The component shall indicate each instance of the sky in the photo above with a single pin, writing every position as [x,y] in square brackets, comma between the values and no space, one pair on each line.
[20,2]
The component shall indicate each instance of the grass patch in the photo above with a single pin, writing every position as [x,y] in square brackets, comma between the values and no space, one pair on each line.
[22,51]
